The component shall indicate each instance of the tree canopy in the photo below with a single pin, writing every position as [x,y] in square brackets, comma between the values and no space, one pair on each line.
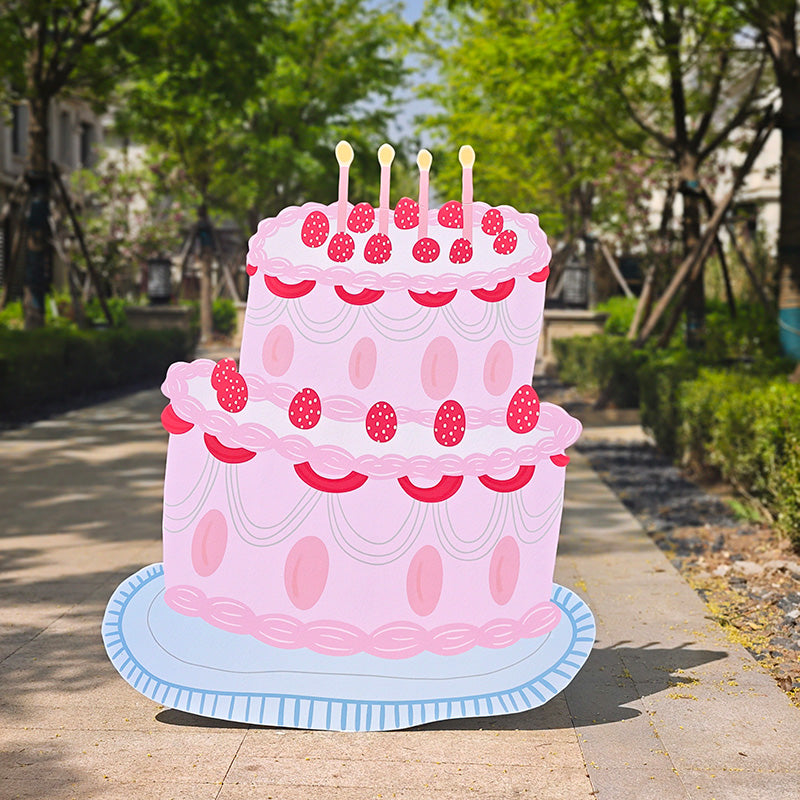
[249,99]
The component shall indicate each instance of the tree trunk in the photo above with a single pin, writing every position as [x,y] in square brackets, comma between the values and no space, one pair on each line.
[206,245]
[789,231]
[38,250]
[695,298]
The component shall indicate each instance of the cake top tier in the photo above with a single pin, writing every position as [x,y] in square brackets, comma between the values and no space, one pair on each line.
[462,245]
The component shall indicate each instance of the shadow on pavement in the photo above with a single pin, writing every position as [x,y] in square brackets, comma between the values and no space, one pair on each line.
[607,689]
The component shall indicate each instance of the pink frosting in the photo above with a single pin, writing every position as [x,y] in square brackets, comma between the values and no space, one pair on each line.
[329,459]
[537,256]
[402,639]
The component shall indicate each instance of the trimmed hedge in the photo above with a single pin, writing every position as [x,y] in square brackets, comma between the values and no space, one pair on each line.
[55,365]
[743,421]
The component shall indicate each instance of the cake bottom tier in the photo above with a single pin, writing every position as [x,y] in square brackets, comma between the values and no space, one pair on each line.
[387,567]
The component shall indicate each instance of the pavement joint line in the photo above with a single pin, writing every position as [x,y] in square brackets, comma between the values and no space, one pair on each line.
[230,766]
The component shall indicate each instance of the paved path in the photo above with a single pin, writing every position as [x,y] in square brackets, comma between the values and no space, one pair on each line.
[666,707]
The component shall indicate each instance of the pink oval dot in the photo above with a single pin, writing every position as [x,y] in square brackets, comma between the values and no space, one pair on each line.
[424,580]
[362,363]
[504,570]
[439,368]
[306,572]
[278,350]
[498,368]
[209,542]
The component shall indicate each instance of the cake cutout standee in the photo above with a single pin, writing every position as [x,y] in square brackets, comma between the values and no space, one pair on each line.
[361,520]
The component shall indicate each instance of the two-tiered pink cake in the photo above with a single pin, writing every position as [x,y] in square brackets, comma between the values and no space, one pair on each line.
[378,475]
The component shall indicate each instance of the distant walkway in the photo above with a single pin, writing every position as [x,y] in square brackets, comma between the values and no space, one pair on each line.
[666,707]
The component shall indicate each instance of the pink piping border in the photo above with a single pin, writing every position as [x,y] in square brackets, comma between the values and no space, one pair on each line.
[331,459]
[402,639]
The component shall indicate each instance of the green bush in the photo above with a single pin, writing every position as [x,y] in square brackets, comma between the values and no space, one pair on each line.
[224,315]
[55,364]
[601,364]
[620,312]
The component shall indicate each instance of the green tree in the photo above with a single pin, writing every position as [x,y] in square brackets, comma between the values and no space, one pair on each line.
[249,99]
[50,49]
[665,81]
[776,23]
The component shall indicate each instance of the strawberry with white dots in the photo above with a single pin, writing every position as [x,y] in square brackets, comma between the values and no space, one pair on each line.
[381,422]
[315,230]
[492,222]
[461,251]
[341,247]
[230,385]
[233,396]
[523,410]
[223,371]
[378,249]
[305,410]
[451,215]
[450,423]
[505,243]
[426,250]
[361,218]
[406,214]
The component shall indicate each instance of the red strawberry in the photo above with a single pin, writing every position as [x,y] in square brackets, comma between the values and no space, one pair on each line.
[341,247]
[505,243]
[381,422]
[305,409]
[251,269]
[426,250]
[378,249]
[461,251]
[361,218]
[451,215]
[523,410]
[315,229]
[492,222]
[450,423]
[233,396]
[406,213]
[223,373]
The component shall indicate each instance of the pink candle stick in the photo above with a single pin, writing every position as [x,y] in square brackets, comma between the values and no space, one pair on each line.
[344,155]
[424,161]
[385,158]
[466,156]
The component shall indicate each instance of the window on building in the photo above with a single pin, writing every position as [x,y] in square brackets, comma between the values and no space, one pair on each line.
[64,139]
[87,143]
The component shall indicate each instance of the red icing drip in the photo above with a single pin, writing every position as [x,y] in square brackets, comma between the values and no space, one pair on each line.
[288,290]
[362,298]
[445,489]
[500,292]
[541,276]
[230,455]
[333,485]
[522,478]
[560,460]
[172,422]
[433,299]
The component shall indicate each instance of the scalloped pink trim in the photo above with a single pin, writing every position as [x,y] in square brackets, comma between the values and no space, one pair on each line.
[402,639]
[333,274]
[329,459]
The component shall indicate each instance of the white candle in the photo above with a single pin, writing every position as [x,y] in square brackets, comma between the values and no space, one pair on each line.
[466,156]
[344,155]
[424,161]
[385,158]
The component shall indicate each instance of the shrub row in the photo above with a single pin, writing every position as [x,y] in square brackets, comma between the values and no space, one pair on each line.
[742,421]
[58,364]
